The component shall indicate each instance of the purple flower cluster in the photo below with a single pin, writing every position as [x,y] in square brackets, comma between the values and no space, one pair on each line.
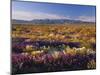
[51,59]
[25,63]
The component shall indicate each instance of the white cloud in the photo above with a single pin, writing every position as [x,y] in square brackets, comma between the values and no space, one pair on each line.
[86,18]
[25,15]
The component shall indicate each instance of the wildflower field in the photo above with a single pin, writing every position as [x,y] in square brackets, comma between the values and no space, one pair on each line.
[53,47]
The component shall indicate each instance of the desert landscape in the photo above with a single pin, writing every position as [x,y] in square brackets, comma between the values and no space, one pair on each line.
[52,37]
[45,48]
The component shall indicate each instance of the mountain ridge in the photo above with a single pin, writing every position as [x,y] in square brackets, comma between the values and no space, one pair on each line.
[48,21]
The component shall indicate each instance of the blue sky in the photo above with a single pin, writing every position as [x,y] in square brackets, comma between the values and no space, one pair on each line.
[34,10]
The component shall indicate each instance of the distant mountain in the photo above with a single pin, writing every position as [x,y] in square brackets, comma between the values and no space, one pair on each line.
[47,21]
[14,21]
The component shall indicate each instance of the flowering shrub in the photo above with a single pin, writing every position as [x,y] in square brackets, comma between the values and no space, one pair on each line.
[52,62]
